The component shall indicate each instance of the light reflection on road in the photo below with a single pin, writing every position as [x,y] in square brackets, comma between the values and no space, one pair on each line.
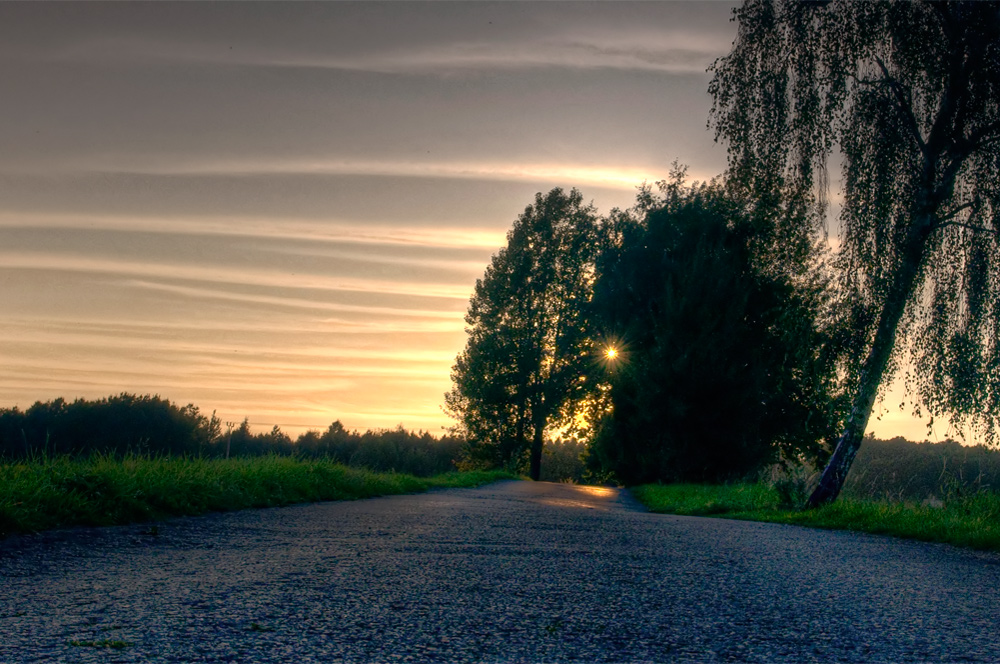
[587,497]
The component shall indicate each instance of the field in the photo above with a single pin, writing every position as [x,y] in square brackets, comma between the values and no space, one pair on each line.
[45,493]
[898,470]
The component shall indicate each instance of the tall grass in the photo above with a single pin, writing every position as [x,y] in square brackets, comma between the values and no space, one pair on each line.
[900,470]
[44,493]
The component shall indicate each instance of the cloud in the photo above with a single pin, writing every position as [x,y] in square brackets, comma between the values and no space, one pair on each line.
[319,230]
[582,45]
[463,268]
[610,176]
[307,382]
[672,53]
[290,302]
[257,162]
[225,275]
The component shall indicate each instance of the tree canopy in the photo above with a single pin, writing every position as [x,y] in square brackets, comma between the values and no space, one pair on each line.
[125,423]
[722,368]
[906,95]
[527,334]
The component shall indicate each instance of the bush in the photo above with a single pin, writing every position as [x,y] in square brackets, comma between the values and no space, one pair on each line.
[384,450]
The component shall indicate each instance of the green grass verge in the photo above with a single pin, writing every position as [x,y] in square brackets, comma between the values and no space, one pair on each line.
[101,491]
[971,521]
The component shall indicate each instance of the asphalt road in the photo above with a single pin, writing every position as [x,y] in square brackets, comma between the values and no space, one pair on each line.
[513,572]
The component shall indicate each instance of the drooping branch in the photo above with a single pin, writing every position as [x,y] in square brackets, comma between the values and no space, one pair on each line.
[903,101]
[971,227]
[955,85]
[949,215]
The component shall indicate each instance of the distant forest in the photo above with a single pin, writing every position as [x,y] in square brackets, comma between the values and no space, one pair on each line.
[151,425]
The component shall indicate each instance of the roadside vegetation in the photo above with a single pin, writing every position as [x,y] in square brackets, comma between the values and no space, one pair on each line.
[42,493]
[969,521]
[935,492]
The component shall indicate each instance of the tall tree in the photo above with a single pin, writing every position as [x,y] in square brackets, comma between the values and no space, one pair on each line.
[722,368]
[909,94]
[527,343]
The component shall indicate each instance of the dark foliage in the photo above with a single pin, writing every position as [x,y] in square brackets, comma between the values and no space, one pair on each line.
[719,371]
[119,425]
[130,424]
[419,454]
[241,441]
[564,461]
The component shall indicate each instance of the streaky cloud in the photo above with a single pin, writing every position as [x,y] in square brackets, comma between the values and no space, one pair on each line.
[370,321]
[320,230]
[624,177]
[294,303]
[692,57]
[246,351]
[572,46]
[202,273]
[464,268]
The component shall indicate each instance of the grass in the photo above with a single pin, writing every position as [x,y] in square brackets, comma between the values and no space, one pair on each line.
[971,521]
[47,493]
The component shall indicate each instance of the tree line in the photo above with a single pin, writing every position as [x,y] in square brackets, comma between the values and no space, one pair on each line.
[150,425]
[711,330]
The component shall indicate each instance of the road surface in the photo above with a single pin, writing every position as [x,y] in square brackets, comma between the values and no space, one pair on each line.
[512,572]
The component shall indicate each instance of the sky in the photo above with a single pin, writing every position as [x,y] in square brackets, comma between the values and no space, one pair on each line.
[278,211]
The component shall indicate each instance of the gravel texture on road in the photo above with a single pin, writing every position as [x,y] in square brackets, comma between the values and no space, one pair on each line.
[511,572]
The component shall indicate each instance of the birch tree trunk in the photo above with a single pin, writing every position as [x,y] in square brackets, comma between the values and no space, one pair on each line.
[835,473]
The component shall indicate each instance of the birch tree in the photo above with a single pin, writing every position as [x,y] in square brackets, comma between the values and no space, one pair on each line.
[906,95]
